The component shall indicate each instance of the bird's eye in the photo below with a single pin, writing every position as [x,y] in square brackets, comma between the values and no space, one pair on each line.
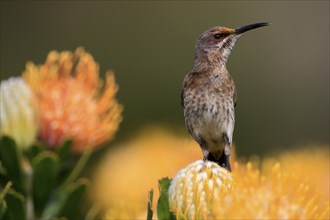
[218,36]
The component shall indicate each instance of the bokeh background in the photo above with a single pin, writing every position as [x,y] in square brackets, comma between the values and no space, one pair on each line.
[281,71]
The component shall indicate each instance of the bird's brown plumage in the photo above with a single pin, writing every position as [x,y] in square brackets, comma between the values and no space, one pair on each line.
[209,95]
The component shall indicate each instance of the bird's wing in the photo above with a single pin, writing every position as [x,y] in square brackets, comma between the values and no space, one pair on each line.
[182,97]
[235,97]
[183,89]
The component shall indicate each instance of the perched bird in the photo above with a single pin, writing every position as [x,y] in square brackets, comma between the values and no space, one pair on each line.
[209,95]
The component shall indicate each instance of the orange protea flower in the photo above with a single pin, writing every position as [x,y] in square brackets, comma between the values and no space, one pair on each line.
[73,102]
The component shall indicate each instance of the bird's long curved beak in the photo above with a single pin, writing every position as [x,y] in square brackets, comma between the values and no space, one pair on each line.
[250,27]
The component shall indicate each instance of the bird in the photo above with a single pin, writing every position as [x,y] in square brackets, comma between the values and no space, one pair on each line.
[209,95]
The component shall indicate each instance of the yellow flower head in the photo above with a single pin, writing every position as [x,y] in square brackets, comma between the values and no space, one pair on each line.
[247,194]
[125,175]
[18,112]
[73,102]
[272,194]
[196,188]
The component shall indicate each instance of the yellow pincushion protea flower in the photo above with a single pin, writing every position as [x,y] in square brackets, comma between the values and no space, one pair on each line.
[125,175]
[312,163]
[272,194]
[250,194]
[195,189]
[258,190]
[73,102]
[18,112]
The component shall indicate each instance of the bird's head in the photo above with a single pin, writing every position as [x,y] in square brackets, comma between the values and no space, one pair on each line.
[218,42]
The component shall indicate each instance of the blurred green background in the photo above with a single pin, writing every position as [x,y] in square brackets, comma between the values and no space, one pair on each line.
[281,71]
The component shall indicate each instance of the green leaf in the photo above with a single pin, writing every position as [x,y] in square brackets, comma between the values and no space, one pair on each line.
[10,157]
[3,208]
[163,210]
[74,201]
[150,198]
[15,208]
[45,171]
[3,170]
[64,151]
[68,202]
[33,151]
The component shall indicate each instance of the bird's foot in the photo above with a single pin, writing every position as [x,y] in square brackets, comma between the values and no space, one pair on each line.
[224,162]
[226,166]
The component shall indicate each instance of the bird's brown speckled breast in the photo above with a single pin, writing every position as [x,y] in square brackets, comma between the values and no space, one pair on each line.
[208,101]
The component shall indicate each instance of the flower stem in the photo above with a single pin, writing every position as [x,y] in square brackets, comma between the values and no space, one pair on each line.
[28,172]
[5,190]
[77,169]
